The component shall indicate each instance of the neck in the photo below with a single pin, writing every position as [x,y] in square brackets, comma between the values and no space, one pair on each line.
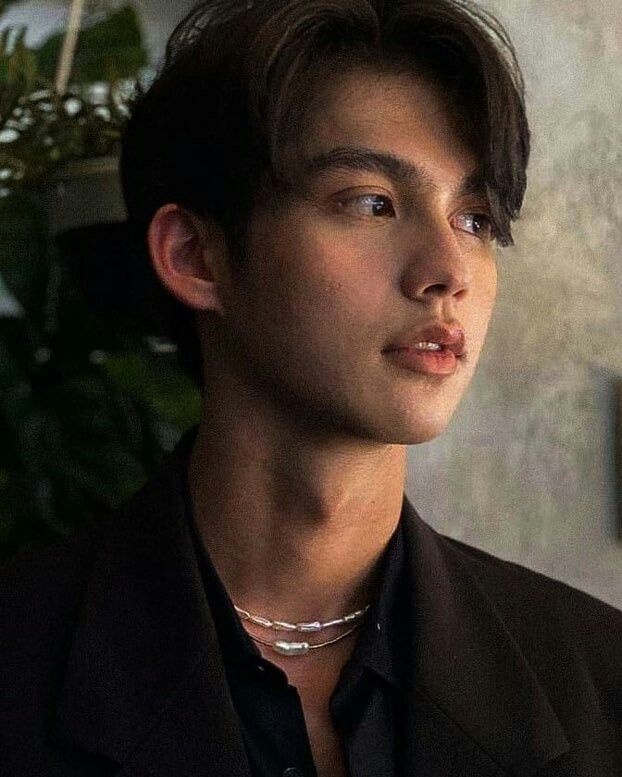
[294,522]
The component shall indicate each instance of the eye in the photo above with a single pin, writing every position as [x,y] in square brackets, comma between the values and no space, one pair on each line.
[478,224]
[370,205]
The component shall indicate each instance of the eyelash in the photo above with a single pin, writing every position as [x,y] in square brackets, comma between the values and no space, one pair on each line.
[360,197]
[490,231]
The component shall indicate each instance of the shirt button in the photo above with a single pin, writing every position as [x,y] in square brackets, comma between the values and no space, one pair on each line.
[291,771]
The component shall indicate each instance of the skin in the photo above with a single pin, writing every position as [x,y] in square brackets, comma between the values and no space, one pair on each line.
[297,475]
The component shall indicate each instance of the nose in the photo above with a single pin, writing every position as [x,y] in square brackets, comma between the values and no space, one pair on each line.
[437,267]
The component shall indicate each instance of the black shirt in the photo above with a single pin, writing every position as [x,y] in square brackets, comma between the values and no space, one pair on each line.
[365,705]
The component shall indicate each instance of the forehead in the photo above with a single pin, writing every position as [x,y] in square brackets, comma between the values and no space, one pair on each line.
[398,116]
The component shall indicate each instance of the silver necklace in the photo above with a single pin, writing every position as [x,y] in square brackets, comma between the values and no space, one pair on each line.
[287,648]
[300,648]
[308,626]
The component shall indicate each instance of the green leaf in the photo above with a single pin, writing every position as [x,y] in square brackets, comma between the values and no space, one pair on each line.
[21,67]
[167,392]
[4,4]
[107,51]
[24,251]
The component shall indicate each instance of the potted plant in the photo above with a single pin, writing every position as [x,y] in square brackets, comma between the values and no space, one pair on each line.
[87,404]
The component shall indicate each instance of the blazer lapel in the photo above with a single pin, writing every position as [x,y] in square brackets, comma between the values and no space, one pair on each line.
[145,685]
[475,706]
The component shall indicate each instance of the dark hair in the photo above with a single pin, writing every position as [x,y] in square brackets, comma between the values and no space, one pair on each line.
[226,111]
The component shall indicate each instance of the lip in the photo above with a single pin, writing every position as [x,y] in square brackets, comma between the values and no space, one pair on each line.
[444,362]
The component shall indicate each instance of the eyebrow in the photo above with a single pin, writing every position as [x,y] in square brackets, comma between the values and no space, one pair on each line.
[391,166]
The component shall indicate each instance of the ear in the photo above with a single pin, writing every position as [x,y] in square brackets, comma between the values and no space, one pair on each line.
[189,255]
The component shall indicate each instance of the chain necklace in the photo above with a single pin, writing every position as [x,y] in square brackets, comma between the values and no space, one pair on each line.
[308,626]
[287,648]
[300,648]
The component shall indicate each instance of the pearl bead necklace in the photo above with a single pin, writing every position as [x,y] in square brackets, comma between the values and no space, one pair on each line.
[287,648]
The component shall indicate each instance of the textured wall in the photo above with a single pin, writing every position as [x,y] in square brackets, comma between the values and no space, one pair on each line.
[526,469]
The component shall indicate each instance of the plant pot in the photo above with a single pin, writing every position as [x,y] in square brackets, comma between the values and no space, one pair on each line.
[84,192]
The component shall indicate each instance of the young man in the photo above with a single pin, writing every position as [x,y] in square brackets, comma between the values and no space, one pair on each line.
[321,184]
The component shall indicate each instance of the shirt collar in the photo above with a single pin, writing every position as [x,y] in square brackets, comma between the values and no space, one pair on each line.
[383,643]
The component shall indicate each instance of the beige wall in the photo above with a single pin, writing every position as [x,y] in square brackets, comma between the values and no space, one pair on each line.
[526,469]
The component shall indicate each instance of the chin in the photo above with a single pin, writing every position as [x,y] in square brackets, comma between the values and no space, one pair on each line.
[420,421]
[412,431]
[396,421]
[409,436]
[426,435]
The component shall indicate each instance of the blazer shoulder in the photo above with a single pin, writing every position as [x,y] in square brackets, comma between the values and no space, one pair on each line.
[48,569]
[43,584]
[543,609]
[41,594]
[499,575]
[39,583]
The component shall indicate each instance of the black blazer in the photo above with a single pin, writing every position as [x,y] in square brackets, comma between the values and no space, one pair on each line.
[109,663]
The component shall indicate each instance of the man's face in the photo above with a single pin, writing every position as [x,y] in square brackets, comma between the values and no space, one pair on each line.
[359,261]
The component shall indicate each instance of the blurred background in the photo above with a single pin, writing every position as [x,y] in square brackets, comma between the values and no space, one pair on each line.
[90,395]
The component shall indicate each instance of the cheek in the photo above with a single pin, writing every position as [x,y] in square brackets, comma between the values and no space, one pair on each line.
[322,284]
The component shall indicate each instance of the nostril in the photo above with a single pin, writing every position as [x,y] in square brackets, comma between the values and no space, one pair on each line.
[434,282]
[437,288]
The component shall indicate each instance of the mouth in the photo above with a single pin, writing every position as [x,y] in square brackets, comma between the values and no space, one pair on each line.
[442,361]
[434,350]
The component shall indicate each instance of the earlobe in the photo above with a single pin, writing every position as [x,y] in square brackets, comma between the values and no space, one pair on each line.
[187,255]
